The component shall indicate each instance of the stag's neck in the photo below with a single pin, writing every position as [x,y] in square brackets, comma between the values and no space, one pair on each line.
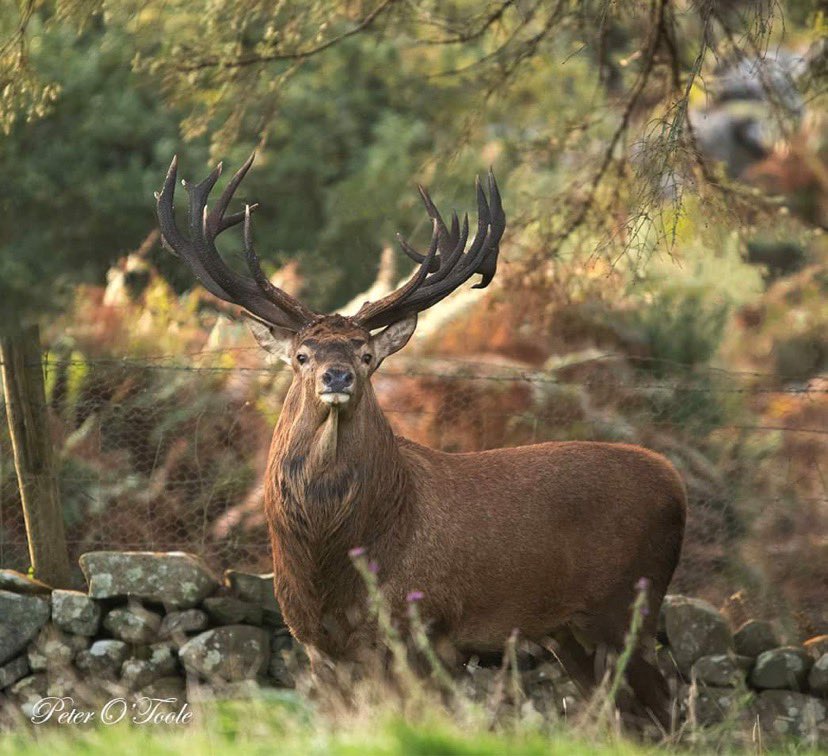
[336,481]
[357,449]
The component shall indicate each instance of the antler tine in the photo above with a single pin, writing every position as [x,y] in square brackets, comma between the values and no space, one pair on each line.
[483,220]
[170,235]
[267,303]
[174,240]
[235,218]
[455,228]
[413,253]
[455,255]
[279,297]
[437,290]
[456,266]
[369,310]
[216,221]
[488,266]
[446,239]
[443,233]
[202,238]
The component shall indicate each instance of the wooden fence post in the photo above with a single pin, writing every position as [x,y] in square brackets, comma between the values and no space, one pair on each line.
[25,397]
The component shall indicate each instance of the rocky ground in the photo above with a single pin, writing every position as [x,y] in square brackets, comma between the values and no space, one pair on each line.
[163,625]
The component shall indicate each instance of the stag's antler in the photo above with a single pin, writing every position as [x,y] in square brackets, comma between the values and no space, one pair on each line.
[441,270]
[446,265]
[256,295]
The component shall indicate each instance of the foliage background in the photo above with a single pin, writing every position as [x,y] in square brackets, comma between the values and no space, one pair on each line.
[663,278]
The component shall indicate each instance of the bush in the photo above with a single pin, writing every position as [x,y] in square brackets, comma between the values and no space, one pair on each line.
[681,327]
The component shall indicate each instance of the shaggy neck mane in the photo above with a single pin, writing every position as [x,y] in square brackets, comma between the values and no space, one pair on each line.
[340,483]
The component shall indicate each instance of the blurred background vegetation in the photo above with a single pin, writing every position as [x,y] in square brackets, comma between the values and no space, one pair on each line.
[663,277]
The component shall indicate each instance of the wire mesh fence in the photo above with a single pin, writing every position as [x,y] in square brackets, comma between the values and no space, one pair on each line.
[161,455]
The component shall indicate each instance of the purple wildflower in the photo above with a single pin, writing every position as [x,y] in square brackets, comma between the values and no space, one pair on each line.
[415,596]
[373,567]
[356,552]
[643,584]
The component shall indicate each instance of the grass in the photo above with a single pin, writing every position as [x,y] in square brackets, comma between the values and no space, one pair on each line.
[287,726]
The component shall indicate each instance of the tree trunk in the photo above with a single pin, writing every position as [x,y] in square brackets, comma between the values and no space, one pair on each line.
[33,457]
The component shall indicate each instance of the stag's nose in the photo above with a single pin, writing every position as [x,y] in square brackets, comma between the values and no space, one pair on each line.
[337,380]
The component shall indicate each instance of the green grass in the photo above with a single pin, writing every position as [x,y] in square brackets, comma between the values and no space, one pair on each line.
[285,724]
[269,727]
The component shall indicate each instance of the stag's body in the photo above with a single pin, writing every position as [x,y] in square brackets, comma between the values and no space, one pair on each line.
[542,538]
[549,539]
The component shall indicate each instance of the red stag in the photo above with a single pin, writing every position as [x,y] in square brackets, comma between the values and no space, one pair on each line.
[549,538]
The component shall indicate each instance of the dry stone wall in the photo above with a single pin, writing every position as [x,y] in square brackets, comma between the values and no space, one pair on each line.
[163,625]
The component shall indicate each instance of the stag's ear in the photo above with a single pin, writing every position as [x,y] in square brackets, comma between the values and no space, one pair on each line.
[277,341]
[392,338]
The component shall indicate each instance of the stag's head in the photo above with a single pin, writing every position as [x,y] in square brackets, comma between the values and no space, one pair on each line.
[332,356]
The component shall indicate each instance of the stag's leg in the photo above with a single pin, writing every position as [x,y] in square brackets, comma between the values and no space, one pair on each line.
[448,655]
[650,687]
[578,662]
[323,670]
[652,693]
[608,626]
[645,678]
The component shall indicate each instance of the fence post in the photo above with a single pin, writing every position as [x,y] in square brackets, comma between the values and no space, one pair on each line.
[25,397]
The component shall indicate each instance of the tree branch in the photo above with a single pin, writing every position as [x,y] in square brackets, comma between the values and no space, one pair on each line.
[252,60]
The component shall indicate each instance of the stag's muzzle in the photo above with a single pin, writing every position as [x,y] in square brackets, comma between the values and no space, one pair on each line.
[337,385]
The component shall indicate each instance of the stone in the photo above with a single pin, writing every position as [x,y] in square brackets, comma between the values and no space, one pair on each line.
[281,651]
[133,624]
[754,637]
[281,640]
[718,671]
[178,624]
[104,658]
[479,683]
[818,677]
[745,663]
[138,673]
[545,673]
[75,612]
[816,646]
[282,648]
[174,579]
[170,686]
[63,681]
[231,652]
[218,689]
[17,582]
[694,629]
[256,589]
[279,672]
[228,610]
[237,690]
[29,689]
[787,713]
[21,617]
[785,667]
[713,704]
[735,609]
[666,662]
[13,670]
[53,648]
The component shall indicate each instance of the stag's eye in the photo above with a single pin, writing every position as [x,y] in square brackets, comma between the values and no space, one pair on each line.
[366,358]
[301,358]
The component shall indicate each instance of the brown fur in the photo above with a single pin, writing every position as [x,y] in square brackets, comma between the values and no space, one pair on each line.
[544,538]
